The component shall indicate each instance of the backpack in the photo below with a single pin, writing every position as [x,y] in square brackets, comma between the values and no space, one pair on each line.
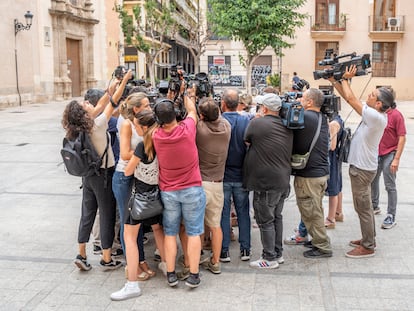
[80,156]
[344,145]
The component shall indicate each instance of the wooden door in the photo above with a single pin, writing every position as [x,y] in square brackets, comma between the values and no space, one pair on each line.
[73,61]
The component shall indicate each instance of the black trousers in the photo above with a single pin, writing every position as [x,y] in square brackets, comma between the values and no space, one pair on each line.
[97,193]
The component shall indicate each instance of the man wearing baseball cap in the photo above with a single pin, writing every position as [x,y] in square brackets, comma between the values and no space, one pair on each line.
[267,173]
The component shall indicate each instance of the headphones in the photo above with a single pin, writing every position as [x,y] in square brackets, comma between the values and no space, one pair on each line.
[160,101]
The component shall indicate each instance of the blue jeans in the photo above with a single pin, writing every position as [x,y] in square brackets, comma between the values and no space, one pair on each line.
[240,197]
[384,165]
[303,232]
[121,187]
[188,204]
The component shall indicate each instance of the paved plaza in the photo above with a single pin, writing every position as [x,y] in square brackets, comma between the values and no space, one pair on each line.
[39,217]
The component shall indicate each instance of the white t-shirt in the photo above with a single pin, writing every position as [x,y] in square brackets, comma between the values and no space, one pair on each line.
[98,137]
[364,145]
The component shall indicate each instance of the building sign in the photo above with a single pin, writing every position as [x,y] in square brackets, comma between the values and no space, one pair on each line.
[131,58]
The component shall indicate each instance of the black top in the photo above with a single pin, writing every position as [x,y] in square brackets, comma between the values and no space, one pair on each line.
[318,163]
[267,162]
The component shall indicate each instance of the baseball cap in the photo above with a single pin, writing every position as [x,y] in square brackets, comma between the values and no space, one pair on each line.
[272,101]
[258,99]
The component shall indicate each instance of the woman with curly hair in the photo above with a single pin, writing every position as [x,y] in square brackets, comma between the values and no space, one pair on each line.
[144,165]
[96,189]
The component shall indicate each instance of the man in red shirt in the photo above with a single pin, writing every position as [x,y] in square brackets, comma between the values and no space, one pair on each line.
[389,152]
[180,184]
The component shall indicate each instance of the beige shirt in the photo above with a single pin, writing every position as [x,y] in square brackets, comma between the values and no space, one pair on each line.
[213,143]
[99,139]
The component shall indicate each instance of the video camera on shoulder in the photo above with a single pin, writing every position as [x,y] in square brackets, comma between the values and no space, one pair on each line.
[292,111]
[337,69]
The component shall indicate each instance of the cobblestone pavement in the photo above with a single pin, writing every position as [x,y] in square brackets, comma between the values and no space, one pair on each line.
[39,214]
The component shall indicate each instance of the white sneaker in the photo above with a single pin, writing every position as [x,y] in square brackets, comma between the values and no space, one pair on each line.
[130,290]
[280,260]
[264,264]
[162,266]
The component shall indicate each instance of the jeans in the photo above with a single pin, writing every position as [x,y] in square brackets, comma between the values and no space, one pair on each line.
[188,204]
[268,206]
[361,194]
[121,187]
[384,165]
[240,197]
[303,232]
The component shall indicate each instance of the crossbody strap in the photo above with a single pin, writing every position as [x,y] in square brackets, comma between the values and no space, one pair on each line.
[318,130]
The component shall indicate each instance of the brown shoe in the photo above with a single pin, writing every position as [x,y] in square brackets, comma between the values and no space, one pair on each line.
[339,217]
[360,252]
[356,243]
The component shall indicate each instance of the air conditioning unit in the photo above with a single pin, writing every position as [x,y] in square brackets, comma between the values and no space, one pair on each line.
[394,22]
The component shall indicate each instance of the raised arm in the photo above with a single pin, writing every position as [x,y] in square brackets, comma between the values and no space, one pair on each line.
[345,90]
[189,97]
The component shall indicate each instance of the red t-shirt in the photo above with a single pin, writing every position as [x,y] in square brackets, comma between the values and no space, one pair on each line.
[395,128]
[178,157]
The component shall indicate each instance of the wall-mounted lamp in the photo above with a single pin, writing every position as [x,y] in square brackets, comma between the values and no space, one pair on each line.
[221,49]
[17,27]
[20,26]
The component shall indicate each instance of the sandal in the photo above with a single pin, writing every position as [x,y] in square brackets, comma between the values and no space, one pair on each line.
[141,275]
[144,266]
[329,224]
[339,217]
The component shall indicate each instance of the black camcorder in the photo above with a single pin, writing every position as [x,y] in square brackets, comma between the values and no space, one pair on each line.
[331,103]
[338,68]
[203,86]
[176,78]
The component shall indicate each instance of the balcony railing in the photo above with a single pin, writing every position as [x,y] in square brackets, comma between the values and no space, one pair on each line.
[322,24]
[386,24]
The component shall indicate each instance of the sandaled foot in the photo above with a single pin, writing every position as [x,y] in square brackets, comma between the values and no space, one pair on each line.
[145,267]
[339,217]
[329,224]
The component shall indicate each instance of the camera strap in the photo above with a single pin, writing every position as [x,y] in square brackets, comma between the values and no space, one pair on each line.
[318,130]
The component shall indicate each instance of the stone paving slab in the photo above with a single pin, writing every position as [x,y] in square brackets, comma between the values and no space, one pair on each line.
[39,215]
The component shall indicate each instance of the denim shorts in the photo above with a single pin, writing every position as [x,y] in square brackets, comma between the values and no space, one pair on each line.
[187,204]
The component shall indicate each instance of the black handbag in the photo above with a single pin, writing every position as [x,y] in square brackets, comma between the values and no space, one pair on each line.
[145,205]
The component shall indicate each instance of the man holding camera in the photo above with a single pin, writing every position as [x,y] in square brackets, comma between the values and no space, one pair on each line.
[180,183]
[310,182]
[363,156]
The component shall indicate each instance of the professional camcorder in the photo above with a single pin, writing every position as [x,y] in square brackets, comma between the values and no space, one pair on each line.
[119,74]
[176,78]
[292,111]
[331,103]
[337,69]
[203,86]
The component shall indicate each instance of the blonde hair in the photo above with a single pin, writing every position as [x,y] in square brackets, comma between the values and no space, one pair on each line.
[133,100]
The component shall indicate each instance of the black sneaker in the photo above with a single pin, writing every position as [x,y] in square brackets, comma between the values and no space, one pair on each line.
[308,244]
[112,265]
[82,263]
[316,253]
[97,250]
[117,252]
[193,280]
[225,256]
[172,279]
[245,255]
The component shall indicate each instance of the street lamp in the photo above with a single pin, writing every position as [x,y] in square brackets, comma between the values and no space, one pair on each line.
[20,26]
[17,27]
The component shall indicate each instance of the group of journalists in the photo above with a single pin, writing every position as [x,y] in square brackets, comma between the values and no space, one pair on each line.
[206,157]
